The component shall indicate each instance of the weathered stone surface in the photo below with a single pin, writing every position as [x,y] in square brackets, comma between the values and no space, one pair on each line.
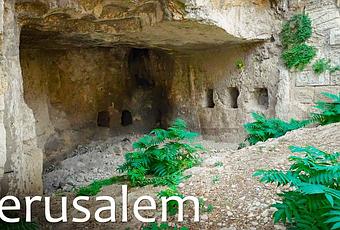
[234,16]
[23,161]
[309,78]
[164,24]
[334,37]
[79,70]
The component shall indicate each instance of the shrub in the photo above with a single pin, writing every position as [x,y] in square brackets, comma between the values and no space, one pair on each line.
[312,200]
[321,66]
[330,111]
[296,30]
[298,56]
[263,129]
[160,157]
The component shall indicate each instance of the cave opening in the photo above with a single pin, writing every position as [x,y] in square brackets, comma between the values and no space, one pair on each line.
[103,119]
[139,62]
[126,118]
[234,93]
[79,94]
[262,97]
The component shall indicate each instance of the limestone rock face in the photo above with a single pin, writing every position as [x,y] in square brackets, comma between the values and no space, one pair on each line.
[249,20]
[157,23]
[73,71]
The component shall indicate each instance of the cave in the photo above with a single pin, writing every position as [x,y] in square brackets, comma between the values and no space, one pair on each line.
[126,118]
[88,71]
[233,93]
[262,97]
[79,94]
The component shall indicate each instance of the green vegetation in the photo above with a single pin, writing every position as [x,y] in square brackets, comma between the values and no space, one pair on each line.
[160,157]
[210,208]
[218,164]
[330,111]
[263,129]
[204,207]
[312,200]
[298,56]
[95,187]
[322,65]
[163,226]
[19,226]
[216,179]
[295,32]
[240,65]
[296,53]
[172,205]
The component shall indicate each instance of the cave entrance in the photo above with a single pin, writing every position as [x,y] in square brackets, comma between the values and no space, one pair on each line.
[80,94]
[126,118]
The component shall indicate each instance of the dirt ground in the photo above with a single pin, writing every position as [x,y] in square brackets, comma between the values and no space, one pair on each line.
[233,199]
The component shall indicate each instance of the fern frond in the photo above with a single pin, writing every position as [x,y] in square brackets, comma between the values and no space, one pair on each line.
[160,157]
[313,200]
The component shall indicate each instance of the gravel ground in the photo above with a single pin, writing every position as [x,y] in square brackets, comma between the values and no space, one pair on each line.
[97,160]
[223,180]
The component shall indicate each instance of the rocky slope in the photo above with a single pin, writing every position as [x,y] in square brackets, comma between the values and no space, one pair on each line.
[224,181]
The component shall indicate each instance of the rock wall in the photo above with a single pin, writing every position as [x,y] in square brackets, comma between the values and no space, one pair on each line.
[79,70]
[82,94]
[300,90]
[22,163]
[217,97]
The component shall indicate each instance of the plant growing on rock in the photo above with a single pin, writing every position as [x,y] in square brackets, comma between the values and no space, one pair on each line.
[295,32]
[240,65]
[313,198]
[263,129]
[298,56]
[330,111]
[160,157]
[322,65]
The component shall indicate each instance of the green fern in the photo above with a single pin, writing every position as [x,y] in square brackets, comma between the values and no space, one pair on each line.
[160,157]
[313,200]
[330,111]
[263,129]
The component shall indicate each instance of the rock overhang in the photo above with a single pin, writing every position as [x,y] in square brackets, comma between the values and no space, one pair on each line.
[169,25]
